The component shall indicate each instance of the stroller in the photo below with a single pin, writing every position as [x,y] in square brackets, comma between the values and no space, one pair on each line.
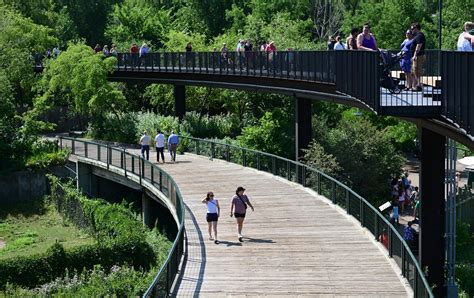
[388,62]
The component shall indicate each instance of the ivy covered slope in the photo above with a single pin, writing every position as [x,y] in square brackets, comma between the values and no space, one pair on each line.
[121,241]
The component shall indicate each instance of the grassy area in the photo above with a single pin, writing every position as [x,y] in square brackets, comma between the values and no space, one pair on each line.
[32,227]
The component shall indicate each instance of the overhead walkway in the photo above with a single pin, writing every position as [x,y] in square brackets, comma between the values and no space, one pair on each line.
[297,242]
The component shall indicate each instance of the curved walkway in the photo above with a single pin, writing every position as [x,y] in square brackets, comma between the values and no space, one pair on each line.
[296,242]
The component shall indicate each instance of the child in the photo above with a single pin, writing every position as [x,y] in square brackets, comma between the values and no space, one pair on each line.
[395,217]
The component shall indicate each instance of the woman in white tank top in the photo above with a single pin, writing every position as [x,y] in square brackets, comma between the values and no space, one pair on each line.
[213,212]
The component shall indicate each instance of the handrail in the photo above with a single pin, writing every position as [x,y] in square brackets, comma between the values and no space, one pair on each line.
[418,283]
[164,279]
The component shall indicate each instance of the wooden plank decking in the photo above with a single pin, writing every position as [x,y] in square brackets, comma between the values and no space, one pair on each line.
[296,242]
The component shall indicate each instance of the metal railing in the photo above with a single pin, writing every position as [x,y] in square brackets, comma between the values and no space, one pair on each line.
[296,65]
[465,206]
[458,77]
[393,80]
[337,192]
[146,172]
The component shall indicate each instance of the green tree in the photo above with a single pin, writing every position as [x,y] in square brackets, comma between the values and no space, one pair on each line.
[367,156]
[316,157]
[271,134]
[8,134]
[137,21]
[78,78]
[21,37]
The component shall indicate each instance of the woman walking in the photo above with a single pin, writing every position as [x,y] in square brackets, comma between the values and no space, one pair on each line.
[213,212]
[238,208]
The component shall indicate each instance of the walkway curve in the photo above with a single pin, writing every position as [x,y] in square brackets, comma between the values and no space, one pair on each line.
[297,242]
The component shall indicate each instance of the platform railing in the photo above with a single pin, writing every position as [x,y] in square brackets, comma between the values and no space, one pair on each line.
[148,172]
[297,65]
[458,79]
[369,216]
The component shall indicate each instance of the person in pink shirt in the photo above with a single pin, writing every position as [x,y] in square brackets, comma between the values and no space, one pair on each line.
[238,208]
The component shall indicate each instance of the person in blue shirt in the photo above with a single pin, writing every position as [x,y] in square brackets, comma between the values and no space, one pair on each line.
[173,142]
[405,62]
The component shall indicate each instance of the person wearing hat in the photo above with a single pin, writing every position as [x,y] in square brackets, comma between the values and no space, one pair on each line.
[238,208]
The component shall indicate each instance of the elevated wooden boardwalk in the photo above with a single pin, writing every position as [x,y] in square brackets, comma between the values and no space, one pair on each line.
[296,243]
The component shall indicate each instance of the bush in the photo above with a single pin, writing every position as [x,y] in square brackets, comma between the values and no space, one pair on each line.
[118,127]
[119,281]
[465,278]
[121,240]
[45,160]
[218,126]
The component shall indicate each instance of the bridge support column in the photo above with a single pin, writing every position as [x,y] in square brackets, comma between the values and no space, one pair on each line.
[432,209]
[303,128]
[146,210]
[179,101]
[86,181]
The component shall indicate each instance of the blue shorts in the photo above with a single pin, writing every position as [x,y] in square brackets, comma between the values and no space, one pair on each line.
[405,64]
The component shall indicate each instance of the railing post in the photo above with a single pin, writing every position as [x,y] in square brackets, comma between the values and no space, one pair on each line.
[303,176]
[133,164]
[403,259]
[227,153]
[273,165]
[319,183]
[161,181]
[168,278]
[86,154]
[73,147]
[61,142]
[140,169]
[98,152]
[376,221]
[348,202]
[213,151]
[152,174]
[390,242]
[108,156]
[244,158]
[333,192]
[288,173]
[361,212]
[258,161]
[121,159]
[124,161]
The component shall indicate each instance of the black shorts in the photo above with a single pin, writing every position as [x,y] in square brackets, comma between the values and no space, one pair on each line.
[211,217]
[239,215]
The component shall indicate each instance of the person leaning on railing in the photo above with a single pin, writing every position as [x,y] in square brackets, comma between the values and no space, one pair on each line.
[466,38]
[418,52]
[366,40]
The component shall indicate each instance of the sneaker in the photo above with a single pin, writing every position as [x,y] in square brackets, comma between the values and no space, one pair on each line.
[210,238]
[216,241]
[241,239]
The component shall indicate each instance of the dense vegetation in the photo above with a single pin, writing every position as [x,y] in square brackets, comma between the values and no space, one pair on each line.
[122,246]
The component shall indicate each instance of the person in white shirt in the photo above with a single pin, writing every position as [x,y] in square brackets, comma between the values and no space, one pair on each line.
[466,40]
[339,44]
[145,143]
[212,216]
[160,146]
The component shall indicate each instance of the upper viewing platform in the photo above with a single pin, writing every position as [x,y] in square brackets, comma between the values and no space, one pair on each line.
[357,78]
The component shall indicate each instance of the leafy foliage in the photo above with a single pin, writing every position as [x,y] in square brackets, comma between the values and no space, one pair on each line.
[271,134]
[138,21]
[121,239]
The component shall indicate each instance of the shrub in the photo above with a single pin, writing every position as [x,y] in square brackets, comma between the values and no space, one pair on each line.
[465,278]
[45,160]
[121,240]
